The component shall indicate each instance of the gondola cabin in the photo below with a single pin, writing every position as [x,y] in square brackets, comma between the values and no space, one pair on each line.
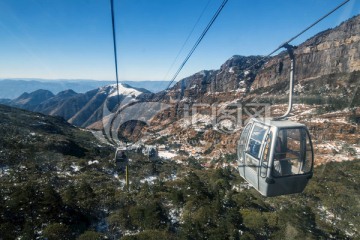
[150,152]
[121,160]
[275,157]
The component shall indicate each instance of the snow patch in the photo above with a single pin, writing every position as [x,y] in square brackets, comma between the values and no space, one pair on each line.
[149,180]
[175,215]
[202,73]
[298,88]
[307,112]
[166,154]
[242,90]
[93,162]
[185,99]
[202,118]
[131,233]
[75,168]
[4,171]
[111,90]
[318,120]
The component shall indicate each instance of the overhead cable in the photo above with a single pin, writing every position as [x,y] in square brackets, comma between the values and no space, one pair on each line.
[296,36]
[196,44]
[187,39]
[115,51]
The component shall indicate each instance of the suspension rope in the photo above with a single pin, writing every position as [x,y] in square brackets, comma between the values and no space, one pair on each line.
[187,39]
[203,35]
[296,36]
[115,52]
[195,45]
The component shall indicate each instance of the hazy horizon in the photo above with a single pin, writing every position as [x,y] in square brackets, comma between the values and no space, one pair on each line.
[70,80]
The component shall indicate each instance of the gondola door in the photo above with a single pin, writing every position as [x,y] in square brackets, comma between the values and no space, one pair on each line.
[292,162]
[253,152]
[242,145]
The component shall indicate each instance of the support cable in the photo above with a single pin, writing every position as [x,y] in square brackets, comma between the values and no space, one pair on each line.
[115,51]
[299,34]
[195,46]
[187,39]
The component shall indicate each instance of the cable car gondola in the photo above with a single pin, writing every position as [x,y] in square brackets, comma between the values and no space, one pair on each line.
[276,155]
[121,160]
[150,152]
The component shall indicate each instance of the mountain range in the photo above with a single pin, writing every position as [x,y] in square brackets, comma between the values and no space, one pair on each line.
[13,88]
[80,109]
[327,76]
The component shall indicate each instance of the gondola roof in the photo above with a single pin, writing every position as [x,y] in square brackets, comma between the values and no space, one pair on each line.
[279,124]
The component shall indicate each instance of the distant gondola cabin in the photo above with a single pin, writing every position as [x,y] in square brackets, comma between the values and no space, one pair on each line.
[121,159]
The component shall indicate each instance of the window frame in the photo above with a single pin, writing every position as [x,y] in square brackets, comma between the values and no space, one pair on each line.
[304,156]
[242,152]
[265,160]
[256,160]
[259,154]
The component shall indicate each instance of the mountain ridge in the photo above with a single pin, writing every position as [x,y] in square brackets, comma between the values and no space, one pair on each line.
[13,88]
[80,109]
[267,82]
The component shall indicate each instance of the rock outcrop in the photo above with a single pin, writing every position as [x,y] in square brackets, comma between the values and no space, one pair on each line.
[236,74]
[333,51]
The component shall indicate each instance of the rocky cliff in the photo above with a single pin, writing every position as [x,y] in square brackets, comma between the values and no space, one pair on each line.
[236,74]
[326,97]
[329,54]
[333,51]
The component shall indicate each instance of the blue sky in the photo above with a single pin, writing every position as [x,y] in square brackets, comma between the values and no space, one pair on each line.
[71,39]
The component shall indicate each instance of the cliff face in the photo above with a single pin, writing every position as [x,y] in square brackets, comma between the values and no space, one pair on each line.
[234,75]
[333,51]
[329,57]
[326,97]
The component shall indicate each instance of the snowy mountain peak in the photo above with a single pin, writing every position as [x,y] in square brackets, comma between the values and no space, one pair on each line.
[124,89]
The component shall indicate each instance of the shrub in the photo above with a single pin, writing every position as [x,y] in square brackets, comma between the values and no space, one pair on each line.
[57,231]
[90,235]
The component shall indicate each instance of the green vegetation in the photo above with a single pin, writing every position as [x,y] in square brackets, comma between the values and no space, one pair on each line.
[55,193]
